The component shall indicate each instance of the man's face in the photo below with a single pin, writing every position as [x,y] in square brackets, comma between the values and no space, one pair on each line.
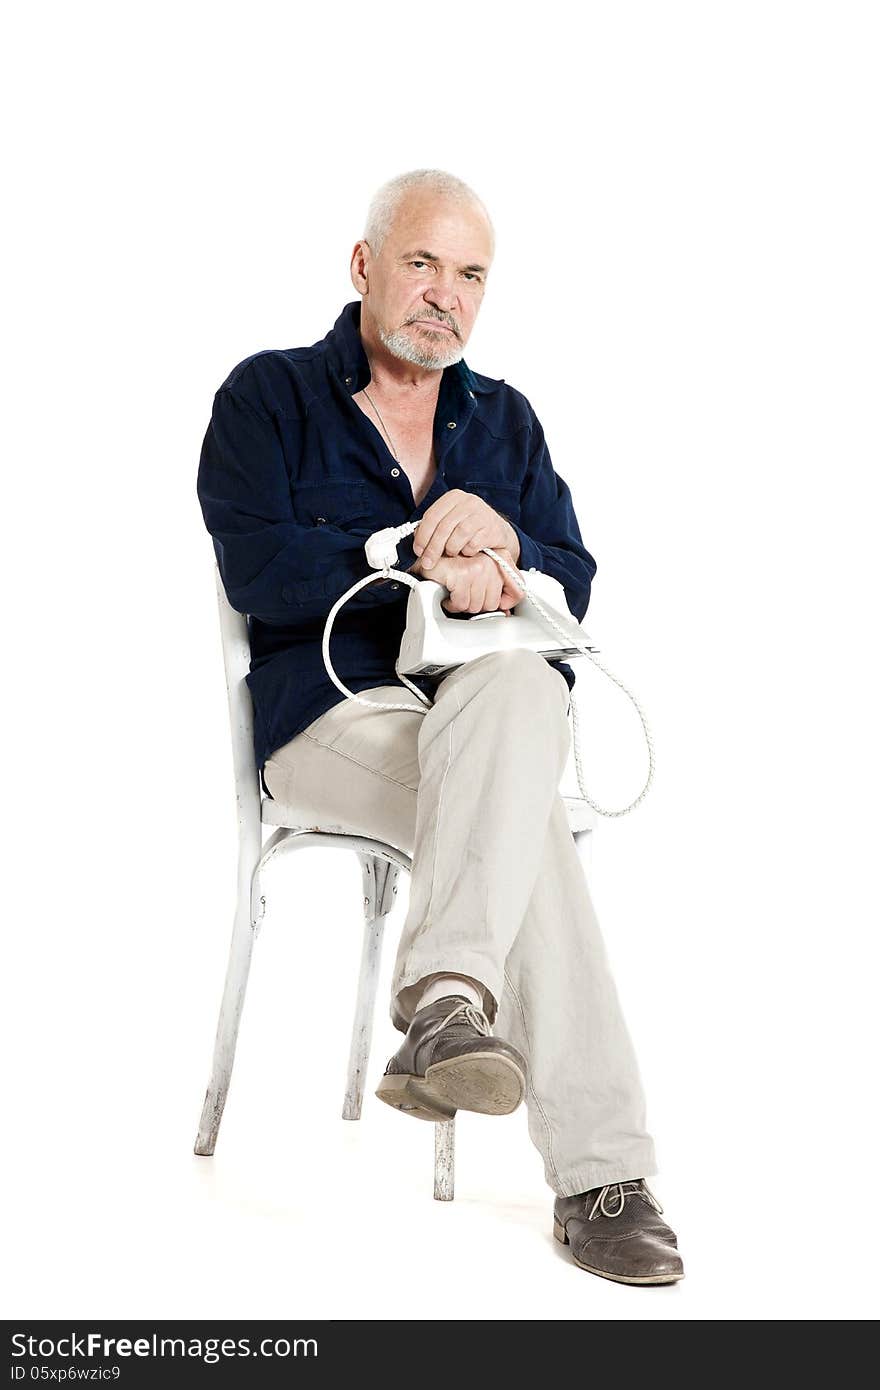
[423,292]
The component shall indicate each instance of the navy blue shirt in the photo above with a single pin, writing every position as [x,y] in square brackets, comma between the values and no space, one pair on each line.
[293,478]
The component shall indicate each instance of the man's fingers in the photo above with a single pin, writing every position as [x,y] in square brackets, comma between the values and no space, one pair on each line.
[430,535]
[458,523]
[475,584]
[435,546]
[459,598]
[467,539]
[494,593]
[475,542]
[478,598]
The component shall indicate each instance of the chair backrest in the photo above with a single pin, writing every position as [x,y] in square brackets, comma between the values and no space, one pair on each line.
[237,663]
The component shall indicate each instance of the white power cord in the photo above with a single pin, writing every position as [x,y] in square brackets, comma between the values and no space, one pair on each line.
[381,550]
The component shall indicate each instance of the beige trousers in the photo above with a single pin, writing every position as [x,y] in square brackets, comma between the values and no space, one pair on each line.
[470,790]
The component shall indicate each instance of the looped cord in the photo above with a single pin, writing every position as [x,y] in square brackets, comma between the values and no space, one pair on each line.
[386,571]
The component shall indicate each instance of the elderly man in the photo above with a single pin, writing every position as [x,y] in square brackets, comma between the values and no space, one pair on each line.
[501,984]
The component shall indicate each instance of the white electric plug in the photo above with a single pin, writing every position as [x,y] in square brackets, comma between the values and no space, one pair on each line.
[381,547]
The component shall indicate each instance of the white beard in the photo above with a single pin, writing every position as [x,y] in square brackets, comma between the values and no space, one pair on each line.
[403,346]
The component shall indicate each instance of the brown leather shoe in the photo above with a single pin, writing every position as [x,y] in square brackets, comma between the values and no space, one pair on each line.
[615,1231]
[449,1061]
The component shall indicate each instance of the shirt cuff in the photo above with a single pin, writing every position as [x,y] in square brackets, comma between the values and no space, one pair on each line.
[530,556]
[406,556]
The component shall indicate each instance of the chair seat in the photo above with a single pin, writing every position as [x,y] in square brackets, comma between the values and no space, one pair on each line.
[581,815]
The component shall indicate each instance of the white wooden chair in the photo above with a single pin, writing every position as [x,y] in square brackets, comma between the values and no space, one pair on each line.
[380,863]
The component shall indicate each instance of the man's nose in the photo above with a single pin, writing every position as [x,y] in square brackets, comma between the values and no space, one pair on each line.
[442,294]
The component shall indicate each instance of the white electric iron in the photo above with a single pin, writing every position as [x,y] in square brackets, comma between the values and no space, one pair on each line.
[435,640]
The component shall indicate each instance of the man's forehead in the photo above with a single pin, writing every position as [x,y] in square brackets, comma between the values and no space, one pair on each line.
[419,228]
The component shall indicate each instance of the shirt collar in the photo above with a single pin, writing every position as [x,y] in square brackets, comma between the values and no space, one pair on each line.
[349,359]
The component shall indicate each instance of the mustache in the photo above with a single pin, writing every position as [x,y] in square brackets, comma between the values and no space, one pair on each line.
[447,322]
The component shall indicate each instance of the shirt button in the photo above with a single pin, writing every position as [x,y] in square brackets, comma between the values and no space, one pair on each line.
[450,424]
[395,586]
[348,381]
[319,519]
[395,472]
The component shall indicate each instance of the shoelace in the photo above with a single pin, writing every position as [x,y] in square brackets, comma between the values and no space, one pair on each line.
[474,1016]
[640,1188]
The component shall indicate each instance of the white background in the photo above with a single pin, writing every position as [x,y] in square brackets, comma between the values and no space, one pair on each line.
[686,288]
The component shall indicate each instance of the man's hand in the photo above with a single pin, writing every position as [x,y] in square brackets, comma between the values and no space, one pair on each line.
[475,583]
[459,523]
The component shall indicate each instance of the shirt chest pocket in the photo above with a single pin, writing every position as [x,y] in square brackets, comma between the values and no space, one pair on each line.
[501,497]
[334,503]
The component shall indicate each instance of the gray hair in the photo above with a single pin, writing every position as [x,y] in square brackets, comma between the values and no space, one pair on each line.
[386,201]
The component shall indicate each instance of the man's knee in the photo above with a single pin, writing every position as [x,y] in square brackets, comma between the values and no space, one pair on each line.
[521,670]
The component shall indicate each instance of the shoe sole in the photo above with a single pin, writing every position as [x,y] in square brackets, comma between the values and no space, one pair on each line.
[410,1095]
[485,1082]
[559,1232]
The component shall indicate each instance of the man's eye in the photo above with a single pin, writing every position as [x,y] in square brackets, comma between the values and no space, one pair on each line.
[470,273]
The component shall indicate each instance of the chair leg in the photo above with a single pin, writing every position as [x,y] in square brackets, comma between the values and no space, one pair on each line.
[444,1160]
[380,886]
[231,1006]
